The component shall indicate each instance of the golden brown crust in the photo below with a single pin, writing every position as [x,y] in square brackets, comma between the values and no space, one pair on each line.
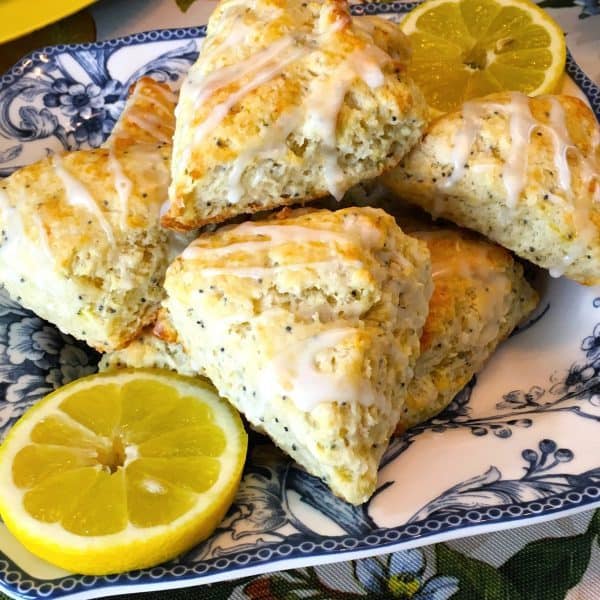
[163,328]
[250,300]
[83,246]
[265,150]
[148,116]
[479,297]
[553,220]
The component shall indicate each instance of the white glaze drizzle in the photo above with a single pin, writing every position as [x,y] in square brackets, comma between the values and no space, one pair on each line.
[77,194]
[168,94]
[562,142]
[463,141]
[262,66]
[43,237]
[151,124]
[123,186]
[318,113]
[207,85]
[296,374]
[514,173]
[275,270]
[321,106]
[272,142]
[521,126]
[274,234]
[220,111]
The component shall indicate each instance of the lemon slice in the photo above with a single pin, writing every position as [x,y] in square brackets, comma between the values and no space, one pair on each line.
[468,48]
[121,470]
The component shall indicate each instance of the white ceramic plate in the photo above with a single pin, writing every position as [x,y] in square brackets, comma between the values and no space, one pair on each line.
[519,444]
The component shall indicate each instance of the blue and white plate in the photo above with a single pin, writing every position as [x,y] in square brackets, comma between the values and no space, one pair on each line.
[520,444]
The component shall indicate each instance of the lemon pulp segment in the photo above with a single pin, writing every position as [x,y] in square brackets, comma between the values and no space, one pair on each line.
[121,470]
[463,49]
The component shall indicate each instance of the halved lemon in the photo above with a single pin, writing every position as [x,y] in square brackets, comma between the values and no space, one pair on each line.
[121,470]
[464,49]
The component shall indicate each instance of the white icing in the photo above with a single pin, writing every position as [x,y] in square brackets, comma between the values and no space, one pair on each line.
[463,141]
[264,272]
[271,145]
[562,141]
[514,173]
[295,373]
[261,67]
[318,113]
[43,238]
[151,124]
[167,93]
[123,186]
[322,108]
[274,234]
[220,111]
[367,63]
[559,269]
[521,124]
[78,195]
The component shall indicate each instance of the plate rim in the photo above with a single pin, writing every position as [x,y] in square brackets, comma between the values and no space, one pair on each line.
[297,557]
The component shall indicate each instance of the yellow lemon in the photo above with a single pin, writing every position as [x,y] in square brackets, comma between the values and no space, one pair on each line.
[121,470]
[468,48]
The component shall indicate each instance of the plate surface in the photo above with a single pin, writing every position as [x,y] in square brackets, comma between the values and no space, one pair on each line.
[518,444]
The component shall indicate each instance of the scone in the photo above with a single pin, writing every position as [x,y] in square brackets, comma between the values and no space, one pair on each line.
[148,116]
[149,352]
[288,101]
[479,297]
[81,242]
[522,171]
[309,324]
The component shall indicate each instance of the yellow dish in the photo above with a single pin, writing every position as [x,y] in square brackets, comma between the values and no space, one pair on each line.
[17,17]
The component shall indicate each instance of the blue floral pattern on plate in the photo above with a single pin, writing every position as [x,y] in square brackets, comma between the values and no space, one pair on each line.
[520,461]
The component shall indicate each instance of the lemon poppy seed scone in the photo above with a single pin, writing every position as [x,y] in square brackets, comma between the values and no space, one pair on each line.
[288,101]
[480,295]
[309,324]
[149,352]
[522,171]
[148,116]
[81,241]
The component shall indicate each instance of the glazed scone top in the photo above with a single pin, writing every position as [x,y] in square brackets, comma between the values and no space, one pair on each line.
[571,144]
[292,63]
[543,151]
[87,199]
[463,260]
[148,116]
[319,268]
[309,324]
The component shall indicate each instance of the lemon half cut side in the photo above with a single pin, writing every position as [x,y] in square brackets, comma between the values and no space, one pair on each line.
[121,470]
[465,49]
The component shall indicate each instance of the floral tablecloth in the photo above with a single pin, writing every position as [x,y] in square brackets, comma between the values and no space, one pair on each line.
[552,560]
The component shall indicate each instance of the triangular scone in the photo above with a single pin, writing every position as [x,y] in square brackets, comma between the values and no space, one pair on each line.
[480,295]
[525,172]
[149,352]
[289,101]
[309,324]
[148,116]
[81,242]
